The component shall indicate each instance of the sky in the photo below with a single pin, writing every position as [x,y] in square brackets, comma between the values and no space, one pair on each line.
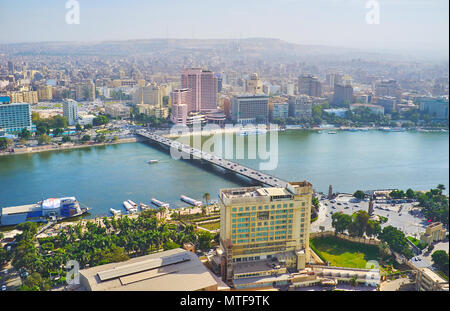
[403,24]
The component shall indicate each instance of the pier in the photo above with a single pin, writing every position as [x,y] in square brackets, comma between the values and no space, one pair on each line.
[227,165]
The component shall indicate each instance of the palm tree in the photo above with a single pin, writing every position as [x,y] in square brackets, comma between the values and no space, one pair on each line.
[441,187]
[206,196]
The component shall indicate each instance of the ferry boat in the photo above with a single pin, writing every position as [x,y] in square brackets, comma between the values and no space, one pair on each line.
[152,161]
[143,206]
[129,207]
[190,201]
[115,212]
[42,211]
[331,132]
[159,203]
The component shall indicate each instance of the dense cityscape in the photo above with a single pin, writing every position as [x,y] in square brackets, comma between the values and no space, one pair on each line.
[85,120]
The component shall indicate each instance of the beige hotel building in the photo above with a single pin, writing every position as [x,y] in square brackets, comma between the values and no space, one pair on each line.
[264,230]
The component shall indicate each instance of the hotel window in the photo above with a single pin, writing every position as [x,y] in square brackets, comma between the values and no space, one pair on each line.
[247,208]
[303,203]
[302,220]
[241,209]
[234,220]
[266,207]
[278,205]
[291,204]
[290,211]
[233,215]
[253,208]
[234,209]
[260,207]
[303,214]
[284,205]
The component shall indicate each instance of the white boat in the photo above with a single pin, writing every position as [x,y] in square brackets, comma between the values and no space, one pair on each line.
[132,203]
[115,212]
[160,203]
[190,201]
[152,161]
[143,206]
[129,207]
[332,132]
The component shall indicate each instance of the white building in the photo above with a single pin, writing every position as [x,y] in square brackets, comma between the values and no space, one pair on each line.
[70,111]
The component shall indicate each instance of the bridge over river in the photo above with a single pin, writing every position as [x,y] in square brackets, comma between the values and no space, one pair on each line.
[227,165]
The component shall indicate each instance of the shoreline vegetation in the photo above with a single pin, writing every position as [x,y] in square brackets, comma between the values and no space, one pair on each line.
[68,146]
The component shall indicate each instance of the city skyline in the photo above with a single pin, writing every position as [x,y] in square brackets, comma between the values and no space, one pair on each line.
[420,26]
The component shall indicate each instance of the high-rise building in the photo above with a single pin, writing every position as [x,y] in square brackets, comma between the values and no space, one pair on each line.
[148,95]
[254,85]
[45,92]
[203,85]
[70,111]
[388,102]
[437,108]
[14,117]
[309,85]
[343,95]
[300,107]
[389,88]
[180,102]
[259,224]
[11,67]
[250,108]
[280,110]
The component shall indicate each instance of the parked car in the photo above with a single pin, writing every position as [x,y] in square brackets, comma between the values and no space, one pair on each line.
[3,288]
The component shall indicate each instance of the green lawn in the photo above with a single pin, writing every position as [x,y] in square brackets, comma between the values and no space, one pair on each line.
[211,225]
[341,253]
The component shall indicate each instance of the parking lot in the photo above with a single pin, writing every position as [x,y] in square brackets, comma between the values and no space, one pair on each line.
[399,215]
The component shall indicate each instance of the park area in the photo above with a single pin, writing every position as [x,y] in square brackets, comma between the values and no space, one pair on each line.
[342,253]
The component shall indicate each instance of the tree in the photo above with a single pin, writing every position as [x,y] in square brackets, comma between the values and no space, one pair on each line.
[410,194]
[204,240]
[359,194]
[87,126]
[341,222]
[397,194]
[78,128]
[100,120]
[44,139]
[441,187]
[25,134]
[206,196]
[441,260]
[396,240]
[430,248]
[86,138]
[384,251]
[100,138]
[66,138]
[57,131]
[361,218]
[373,228]
[5,143]
[35,282]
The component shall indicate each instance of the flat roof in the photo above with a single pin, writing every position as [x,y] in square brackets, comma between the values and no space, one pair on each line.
[172,270]
[19,209]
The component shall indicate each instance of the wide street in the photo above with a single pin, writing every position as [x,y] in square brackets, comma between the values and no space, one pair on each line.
[407,222]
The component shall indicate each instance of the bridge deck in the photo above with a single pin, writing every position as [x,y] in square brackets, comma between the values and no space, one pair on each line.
[239,169]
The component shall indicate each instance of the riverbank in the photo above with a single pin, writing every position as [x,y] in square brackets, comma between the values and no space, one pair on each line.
[68,146]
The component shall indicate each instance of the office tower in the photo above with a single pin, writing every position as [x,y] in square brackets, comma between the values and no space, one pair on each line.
[70,111]
[343,95]
[254,85]
[437,108]
[309,85]
[203,85]
[389,88]
[148,95]
[45,92]
[250,108]
[333,79]
[388,102]
[11,67]
[300,107]
[219,82]
[180,102]
[280,110]
[259,224]
[14,117]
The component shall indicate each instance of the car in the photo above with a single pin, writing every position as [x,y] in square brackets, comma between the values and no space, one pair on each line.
[3,288]
[339,203]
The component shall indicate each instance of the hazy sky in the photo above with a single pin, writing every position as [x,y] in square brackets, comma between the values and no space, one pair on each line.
[404,24]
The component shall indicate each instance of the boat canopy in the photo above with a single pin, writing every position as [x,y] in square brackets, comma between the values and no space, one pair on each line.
[51,203]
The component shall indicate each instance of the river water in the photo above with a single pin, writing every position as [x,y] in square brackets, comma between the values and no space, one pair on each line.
[103,177]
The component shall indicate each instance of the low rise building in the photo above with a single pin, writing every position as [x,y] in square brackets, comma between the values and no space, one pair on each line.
[172,270]
[376,109]
[428,280]
[117,111]
[434,232]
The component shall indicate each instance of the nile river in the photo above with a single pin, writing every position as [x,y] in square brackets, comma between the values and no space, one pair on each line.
[103,177]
